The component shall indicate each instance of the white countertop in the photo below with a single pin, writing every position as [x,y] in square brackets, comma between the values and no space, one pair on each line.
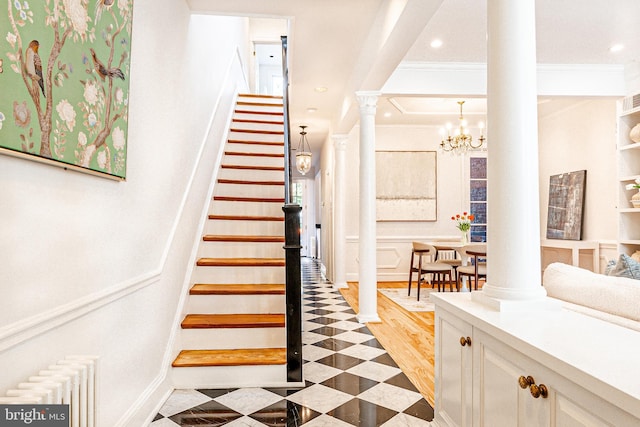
[592,353]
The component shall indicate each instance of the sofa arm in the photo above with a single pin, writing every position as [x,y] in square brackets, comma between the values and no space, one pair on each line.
[614,295]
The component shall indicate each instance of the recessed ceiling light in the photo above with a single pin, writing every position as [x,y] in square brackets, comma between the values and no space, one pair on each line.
[436,43]
[616,48]
[387,114]
[321,89]
[312,110]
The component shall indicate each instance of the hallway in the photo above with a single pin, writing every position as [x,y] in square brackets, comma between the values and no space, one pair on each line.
[350,379]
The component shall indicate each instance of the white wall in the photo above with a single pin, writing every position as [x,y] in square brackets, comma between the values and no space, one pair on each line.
[580,137]
[94,266]
[394,238]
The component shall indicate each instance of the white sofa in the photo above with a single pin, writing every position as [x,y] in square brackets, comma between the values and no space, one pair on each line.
[610,298]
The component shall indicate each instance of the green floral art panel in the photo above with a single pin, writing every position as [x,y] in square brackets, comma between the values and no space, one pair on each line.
[64,82]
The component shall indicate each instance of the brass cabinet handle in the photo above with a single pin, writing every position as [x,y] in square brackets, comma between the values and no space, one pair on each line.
[526,382]
[536,390]
[465,341]
[539,390]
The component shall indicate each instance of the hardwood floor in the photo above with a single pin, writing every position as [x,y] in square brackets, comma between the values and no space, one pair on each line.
[407,336]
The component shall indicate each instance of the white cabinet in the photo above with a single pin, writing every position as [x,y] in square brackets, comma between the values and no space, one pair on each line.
[628,172]
[490,371]
[453,344]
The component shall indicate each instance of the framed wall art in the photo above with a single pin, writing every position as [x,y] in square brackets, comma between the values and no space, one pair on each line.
[566,205]
[406,186]
[64,83]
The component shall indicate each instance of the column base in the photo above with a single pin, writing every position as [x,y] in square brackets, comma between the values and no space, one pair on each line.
[522,305]
[368,318]
[340,285]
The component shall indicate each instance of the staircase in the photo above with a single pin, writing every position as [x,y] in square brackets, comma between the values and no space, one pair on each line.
[233,334]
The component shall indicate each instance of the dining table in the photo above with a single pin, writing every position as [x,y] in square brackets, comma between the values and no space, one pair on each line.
[465,256]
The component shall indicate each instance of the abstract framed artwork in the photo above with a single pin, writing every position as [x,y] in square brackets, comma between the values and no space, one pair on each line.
[566,205]
[406,186]
[64,83]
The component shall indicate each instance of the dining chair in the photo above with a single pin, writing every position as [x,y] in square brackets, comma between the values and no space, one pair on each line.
[423,262]
[476,268]
[448,254]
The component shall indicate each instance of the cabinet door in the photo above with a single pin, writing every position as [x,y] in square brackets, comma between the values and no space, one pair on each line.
[453,371]
[499,400]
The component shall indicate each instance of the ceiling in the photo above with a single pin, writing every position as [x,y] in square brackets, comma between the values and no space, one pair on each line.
[355,45]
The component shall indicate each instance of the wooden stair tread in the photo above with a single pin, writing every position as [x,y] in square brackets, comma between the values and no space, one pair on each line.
[265,113]
[249,199]
[224,321]
[245,218]
[245,182]
[237,289]
[258,104]
[249,154]
[242,238]
[268,143]
[258,131]
[241,262]
[251,167]
[236,357]
[258,95]
[262,122]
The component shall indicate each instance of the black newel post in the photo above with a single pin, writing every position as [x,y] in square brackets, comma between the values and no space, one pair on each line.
[294,292]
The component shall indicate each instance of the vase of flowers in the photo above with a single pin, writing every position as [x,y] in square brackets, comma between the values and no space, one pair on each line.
[463,223]
[635,199]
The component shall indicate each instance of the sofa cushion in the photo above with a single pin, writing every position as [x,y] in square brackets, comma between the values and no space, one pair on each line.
[610,294]
[625,267]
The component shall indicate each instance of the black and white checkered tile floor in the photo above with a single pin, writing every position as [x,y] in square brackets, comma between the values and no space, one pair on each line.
[350,379]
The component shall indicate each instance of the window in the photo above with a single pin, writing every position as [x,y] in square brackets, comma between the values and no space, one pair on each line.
[478,198]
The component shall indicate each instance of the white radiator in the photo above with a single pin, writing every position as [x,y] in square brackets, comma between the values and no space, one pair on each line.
[71,381]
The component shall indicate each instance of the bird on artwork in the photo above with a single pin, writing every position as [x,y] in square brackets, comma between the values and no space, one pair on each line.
[101,5]
[104,71]
[34,64]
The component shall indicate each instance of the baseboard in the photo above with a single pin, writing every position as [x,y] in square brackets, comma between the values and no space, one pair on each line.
[147,406]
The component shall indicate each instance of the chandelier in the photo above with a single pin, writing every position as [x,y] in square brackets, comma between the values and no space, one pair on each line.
[303,158]
[461,140]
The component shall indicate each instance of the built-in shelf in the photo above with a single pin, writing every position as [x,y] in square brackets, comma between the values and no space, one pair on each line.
[634,146]
[628,160]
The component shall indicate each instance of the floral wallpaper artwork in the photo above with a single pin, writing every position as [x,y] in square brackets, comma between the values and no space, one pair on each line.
[64,82]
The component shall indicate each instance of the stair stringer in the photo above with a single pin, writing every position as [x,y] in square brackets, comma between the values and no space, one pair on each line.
[252,375]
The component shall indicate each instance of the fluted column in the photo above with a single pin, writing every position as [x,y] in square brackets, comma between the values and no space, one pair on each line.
[339,212]
[367,291]
[513,193]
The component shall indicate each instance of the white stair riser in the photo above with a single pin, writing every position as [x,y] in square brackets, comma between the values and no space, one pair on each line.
[257,126]
[253,228]
[220,207]
[258,99]
[267,275]
[235,304]
[274,107]
[245,136]
[241,250]
[249,190]
[230,376]
[254,161]
[255,148]
[251,174]
[232,338]
[261,117]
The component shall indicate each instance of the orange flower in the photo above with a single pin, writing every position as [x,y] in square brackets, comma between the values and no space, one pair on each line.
[463,222]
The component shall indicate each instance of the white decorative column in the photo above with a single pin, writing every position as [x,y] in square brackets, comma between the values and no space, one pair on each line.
[367,290]
[513,195]
[339,212]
